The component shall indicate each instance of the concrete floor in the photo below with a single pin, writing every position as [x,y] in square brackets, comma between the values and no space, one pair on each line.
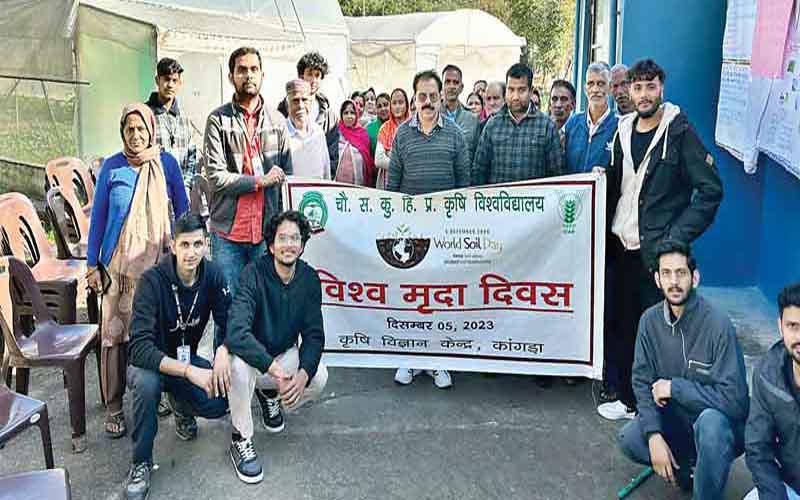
[367,438]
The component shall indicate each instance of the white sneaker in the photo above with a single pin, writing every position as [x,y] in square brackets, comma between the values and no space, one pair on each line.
[615,410]
[405,376]
[441,378]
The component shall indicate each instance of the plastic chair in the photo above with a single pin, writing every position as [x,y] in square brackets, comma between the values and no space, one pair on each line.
[74,177]
[50,344]
[70,241]
[38,485]
[22,235]
[17,413]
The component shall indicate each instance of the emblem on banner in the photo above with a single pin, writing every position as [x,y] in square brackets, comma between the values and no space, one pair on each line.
[401,250]
[569,209]
[313,207]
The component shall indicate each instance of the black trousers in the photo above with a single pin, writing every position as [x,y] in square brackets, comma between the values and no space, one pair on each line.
[630,290]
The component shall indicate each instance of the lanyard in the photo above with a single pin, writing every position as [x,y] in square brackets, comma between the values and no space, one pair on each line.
[182,322]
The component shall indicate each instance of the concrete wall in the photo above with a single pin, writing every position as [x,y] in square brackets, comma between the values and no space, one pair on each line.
[25,178]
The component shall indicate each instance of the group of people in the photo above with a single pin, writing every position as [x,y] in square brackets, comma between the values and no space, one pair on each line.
[672,362]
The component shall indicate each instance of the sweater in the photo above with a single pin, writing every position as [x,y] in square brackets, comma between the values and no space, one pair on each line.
[268,317]
[113,196]
[583,152]
[154,321]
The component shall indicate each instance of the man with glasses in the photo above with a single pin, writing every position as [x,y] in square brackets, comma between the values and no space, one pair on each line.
[429,155]
[275,339]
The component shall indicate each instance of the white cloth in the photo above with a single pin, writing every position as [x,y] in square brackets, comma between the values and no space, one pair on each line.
[594,127]
[309,151]
[245,378]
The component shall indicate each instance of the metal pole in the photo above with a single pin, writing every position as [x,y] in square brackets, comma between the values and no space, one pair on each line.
[577,41]
[53,119]
[612,32]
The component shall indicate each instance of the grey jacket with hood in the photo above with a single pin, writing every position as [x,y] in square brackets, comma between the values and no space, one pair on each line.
[699,353]
[772,436]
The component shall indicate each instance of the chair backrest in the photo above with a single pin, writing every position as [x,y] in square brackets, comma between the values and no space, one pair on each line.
[64,221]
[16,279]
[21,232]
[72,176]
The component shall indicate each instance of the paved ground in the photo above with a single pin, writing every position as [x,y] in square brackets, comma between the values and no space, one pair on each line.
[488,437]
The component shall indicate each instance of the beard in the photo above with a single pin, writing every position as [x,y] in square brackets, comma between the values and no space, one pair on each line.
[649,112]
[682,298]
[248,89]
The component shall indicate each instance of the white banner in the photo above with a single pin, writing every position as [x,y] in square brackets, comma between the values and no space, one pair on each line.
[505,278]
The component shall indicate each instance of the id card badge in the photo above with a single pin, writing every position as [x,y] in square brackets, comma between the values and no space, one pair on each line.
[184,354]
[258,167]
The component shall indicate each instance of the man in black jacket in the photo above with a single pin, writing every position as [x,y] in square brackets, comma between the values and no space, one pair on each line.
[275,337]
[772,436]
[690,383]
[662,183]
[171,308]
[313,67]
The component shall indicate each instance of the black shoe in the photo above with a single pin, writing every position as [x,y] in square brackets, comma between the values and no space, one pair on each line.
[271,412]
[245,461]
[185,425]
[685,476]
[138,485]
[607,395]
[164,409]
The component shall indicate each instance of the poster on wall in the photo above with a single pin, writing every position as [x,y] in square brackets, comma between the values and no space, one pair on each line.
[494,279]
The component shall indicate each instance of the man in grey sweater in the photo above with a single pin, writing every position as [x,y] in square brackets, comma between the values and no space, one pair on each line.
[690,383]
[772,436]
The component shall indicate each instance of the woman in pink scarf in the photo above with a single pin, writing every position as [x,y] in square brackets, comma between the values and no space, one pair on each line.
[356,165]
[398,114]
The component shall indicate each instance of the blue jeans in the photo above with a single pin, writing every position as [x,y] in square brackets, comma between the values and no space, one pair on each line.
[712,440]
[790,494]
[232,257]
[146,385]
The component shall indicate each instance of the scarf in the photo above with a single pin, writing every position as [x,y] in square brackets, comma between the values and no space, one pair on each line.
[357,136]
[389,129]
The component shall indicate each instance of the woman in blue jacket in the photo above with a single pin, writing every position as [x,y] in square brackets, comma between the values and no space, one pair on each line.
[129,232]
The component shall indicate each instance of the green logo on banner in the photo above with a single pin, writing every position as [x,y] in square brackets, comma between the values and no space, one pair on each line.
[313,207]
[570,206]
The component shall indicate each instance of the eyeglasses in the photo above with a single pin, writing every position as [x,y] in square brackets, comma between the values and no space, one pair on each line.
[423,97]
[288,238]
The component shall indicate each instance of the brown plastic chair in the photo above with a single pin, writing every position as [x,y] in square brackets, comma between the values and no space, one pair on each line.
[50,344]
[17,413]
[37,485]
[22,235]
[74,177]
[70,242]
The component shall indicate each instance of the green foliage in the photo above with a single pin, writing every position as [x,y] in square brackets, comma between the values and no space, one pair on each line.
[547,25]
[35,138]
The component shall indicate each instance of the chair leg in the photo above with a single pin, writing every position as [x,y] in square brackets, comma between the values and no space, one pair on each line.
[5,370]
[47,445]
[23,380]
[76,393]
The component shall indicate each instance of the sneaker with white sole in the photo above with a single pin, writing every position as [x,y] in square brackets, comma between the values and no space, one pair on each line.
[271,412]
[405,376]
[245,461]
[615,410]
[441,378]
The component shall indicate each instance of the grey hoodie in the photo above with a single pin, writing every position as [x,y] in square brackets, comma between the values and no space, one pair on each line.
[772,436]
[699,353]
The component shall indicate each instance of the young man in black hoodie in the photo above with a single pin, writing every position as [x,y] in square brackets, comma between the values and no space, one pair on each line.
[690,383]
[171,307]
[275,337]
[772,436]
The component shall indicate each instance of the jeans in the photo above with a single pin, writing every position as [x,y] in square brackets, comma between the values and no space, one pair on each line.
[790,494]
[232,257]
[712,440]
[146,385]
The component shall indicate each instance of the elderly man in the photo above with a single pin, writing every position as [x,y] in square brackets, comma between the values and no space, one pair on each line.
[453,85]
[620,89]
[307,145]
[587,134]
[562,102]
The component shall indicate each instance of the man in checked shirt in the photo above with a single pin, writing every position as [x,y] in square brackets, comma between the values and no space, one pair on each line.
[174,134]
[518,143]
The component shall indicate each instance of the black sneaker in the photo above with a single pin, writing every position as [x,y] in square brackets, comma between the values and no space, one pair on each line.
[245,461]
[185,424]
[271,412]
[164,409]
[607,395]
[138,485]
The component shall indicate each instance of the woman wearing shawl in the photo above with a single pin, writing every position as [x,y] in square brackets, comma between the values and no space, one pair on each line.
[399,114]
[355,161]
[128,233]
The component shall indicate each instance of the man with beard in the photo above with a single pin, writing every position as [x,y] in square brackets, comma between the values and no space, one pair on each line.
[690,383]
[772,435]
[452,82]
[313,68]
[429,154]
[275,337]
[247,158]
[562,102]
[620,89]
[519,142]
[662,183]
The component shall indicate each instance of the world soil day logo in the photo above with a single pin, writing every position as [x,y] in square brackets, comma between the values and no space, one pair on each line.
[401,250]
[570,206]
[313,207]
